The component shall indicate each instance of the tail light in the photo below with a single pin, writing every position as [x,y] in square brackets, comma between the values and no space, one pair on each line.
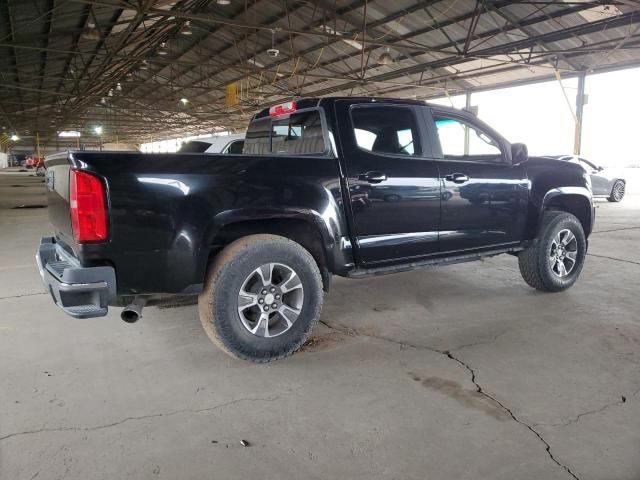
[87,206]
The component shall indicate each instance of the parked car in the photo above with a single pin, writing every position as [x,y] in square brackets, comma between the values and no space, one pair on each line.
[605,182]
[216,144]
[37,163]
[258,236]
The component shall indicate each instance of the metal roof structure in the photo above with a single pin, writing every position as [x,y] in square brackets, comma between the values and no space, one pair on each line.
[144,69]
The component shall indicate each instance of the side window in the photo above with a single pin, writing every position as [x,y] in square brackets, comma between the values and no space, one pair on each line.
[588,166]
[461,141]
[386,130]
[235,147]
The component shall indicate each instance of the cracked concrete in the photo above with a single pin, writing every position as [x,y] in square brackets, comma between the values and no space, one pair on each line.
[474,380]
[459,372]
[141,417]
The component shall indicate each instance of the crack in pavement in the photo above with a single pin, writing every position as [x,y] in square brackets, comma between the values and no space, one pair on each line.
[141,417]
[615,230]
[613,258]
[467,345]
[479,389]
[577,418]
[23,295]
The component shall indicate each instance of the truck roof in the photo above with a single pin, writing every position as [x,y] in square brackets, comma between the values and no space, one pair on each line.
[309,102]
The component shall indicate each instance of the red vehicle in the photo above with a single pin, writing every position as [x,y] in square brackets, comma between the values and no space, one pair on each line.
[37,163]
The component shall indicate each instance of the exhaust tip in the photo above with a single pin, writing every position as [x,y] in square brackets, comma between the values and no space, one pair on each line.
[133,312]
[130,316]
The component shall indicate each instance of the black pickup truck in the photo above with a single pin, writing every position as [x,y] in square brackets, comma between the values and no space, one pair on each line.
[332,186]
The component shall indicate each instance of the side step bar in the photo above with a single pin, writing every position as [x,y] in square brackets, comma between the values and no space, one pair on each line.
[431,262]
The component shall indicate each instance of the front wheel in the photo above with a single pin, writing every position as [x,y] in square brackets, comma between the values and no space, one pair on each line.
[617,191]
[554,262]
[262,298]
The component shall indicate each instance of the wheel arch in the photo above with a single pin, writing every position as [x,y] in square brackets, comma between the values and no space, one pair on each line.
[574,200]
[306,228]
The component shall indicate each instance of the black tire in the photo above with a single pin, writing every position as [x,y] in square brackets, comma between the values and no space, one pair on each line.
[534,261]
[41,171]
[218,302]
[617,191]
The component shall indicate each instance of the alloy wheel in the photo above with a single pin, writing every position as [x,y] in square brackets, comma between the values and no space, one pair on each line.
[618,191]
[270,300]
[563,253]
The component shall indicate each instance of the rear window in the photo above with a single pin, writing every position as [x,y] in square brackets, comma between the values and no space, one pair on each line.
[296,134]
[194,146]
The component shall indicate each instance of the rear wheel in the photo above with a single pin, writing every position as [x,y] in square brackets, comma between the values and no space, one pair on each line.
[554,262]
[262,298]
[617,191]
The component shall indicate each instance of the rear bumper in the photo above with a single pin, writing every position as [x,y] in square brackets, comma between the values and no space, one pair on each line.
[81,292]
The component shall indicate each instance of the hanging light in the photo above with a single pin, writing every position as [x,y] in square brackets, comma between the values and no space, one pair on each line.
[91,32]
[118,87]
[111,92]
[223,2]
[184,101]
[186,29]
[386,58]
[144,65]
[97,130]
[163,49]
[15,138]
[103,100]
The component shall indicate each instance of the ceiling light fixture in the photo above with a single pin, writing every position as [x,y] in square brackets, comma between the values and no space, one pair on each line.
[118,87]
[163,49]
[273,51]
[386,58]
[223,2]
[91,32]
[186,29]
[184,101]
[97,130]
[15,138]
[69,134]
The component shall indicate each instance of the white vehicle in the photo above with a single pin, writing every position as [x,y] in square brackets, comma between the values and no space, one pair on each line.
[217,144]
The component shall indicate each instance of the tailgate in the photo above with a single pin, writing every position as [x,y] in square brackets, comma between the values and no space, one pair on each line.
[57,184]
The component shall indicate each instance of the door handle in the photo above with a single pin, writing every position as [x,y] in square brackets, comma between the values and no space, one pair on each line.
[457,178]
[373,177]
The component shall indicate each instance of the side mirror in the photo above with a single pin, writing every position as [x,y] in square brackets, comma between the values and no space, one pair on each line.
[519,153]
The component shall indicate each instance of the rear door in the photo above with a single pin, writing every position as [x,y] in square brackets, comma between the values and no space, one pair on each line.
[392,182]
[484,197]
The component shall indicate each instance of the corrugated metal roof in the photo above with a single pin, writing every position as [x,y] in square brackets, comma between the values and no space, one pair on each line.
[73,64]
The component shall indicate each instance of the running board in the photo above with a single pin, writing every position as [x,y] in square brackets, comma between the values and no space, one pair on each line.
[432,262]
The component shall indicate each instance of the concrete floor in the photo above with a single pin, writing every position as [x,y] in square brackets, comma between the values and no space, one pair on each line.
[461,372]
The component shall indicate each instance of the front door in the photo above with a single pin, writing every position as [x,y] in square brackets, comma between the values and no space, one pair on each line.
[393,185]
[484,197]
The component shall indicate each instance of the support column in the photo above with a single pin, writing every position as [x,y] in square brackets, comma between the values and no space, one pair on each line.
[467,107]
[580,101]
